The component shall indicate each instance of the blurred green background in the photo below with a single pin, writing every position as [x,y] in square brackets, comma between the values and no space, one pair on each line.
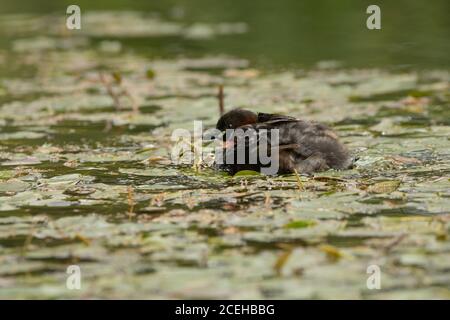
[415,33]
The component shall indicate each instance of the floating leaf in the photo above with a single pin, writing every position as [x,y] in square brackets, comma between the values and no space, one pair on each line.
[281,261]
[384,187]
[332,252]
[299,224]
[244,173]
[13,186]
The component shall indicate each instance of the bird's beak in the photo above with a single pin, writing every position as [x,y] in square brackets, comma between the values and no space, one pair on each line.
[228,144]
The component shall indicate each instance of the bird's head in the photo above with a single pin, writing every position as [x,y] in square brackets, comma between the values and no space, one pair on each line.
[236,118]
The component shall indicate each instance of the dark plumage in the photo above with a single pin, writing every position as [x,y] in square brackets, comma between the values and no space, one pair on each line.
[304,146]
[236,118]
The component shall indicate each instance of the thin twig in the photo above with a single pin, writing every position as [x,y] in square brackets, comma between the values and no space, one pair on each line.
[110,91]
[220,97]
[108,125]
[394,242]
[267,200]
[282,259]
[29,238]
[299,181]
[134,103]
[131,202]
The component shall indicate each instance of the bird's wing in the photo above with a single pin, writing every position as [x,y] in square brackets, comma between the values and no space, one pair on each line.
[274,118]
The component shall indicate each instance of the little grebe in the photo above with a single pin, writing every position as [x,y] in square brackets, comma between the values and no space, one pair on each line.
[303,146]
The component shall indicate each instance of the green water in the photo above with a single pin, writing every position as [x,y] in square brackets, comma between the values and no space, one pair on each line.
[86,176]
[292,33]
